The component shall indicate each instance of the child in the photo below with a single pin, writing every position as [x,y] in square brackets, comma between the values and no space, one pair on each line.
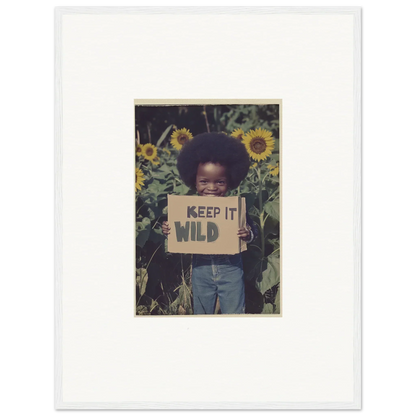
[212,164]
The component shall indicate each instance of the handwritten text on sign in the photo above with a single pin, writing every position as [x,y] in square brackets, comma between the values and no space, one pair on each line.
[194,228]
[204,225]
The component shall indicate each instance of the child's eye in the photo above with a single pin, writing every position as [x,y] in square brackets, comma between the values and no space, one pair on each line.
[221,182]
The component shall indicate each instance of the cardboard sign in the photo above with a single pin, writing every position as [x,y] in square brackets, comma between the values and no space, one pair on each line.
[206,225]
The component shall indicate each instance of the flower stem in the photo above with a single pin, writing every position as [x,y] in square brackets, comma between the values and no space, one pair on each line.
[151,258]
[262,220]
[206,119]
[148,132]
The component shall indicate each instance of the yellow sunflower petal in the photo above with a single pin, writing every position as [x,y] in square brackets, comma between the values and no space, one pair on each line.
[274,170]
[180,137]
[259,143]
[139,179]
[156,160]
[149,151]
[238,134]
[139,150]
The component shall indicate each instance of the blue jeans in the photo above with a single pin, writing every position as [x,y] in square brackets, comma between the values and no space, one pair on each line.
[218,275]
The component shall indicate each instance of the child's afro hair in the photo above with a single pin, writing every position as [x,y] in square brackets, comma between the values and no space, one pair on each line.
[215,148]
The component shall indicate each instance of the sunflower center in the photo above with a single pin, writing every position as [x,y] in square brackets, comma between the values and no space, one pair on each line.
[182,138]
[258,145]
[149,151]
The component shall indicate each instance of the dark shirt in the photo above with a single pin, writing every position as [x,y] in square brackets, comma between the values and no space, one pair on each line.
[253,227]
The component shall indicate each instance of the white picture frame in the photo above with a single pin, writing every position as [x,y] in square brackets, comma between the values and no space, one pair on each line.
[101,351]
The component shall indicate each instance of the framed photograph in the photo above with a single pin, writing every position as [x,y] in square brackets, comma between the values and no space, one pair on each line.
[172,142]
[208,208]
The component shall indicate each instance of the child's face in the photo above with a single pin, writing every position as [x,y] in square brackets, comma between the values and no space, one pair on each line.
[211,179]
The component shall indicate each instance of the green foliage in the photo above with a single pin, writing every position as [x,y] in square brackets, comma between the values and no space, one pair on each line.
[163,280]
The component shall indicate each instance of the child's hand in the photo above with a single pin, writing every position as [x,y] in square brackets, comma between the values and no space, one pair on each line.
[244,234]
[165,228]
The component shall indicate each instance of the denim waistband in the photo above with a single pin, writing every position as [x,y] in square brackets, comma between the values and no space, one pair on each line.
[215,256]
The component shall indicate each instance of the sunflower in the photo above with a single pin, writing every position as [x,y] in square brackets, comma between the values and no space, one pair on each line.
[139,150]
[238,134]
[180,137]
[259,143]
[149,151]
[156,160]
[139,179]
[274,170]
[253,166]
[166,151]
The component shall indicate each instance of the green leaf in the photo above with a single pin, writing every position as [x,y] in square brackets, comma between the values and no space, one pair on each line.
[277,302]
[166,169]
[154,190]
[245,189]
[272,208]
[181,189]
[264,197]
[142,232]
[253,262]
[163,136]
[156,235]
[175,171]
[271,226]
[271,276]
[274,242]
[268,308]
[160,175]
[141,280]
[276,144]
[273,181]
